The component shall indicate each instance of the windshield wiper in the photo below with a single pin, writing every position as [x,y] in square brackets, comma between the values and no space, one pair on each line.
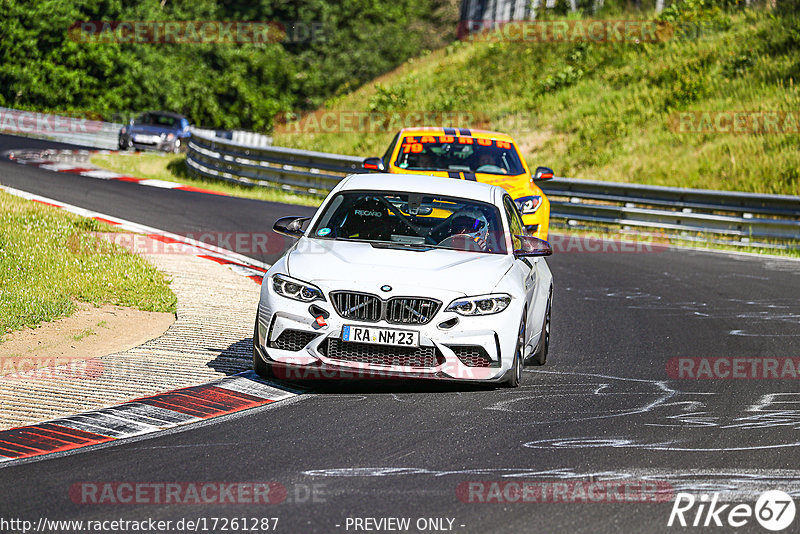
[385,244]
[408,246]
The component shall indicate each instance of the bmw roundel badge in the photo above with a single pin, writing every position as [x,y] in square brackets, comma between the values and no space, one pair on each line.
[386,288]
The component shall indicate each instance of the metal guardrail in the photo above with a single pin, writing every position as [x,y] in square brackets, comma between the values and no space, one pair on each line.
[74,130]
[728,214]
[97,134]
[300,171]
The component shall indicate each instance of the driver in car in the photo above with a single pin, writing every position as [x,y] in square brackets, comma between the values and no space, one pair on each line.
[425,161]
[469,230]
[488,160]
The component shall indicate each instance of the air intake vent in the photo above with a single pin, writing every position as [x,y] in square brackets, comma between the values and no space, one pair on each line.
[336,349]
[293,340]
[473,356]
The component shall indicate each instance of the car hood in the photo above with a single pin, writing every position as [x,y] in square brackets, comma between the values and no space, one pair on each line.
[360,266]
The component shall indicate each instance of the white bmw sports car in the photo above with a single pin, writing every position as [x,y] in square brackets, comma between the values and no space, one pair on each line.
[406,276]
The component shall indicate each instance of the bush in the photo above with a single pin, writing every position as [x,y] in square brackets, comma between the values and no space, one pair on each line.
[216,85]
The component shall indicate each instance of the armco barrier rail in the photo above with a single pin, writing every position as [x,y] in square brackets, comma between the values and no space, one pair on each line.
[742,216]
[92,133]
[74,130]
[297,170]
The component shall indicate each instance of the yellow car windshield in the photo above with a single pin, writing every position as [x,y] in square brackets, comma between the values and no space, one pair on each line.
[459,154]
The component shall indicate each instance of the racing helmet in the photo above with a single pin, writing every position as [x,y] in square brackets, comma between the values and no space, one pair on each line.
[471,222]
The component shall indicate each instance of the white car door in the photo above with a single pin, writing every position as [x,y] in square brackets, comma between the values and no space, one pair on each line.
[527,269]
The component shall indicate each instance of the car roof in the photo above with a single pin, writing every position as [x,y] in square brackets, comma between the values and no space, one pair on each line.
[420,183]
[467,132]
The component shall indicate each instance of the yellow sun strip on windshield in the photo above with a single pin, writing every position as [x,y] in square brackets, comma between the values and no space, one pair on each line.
[413,145]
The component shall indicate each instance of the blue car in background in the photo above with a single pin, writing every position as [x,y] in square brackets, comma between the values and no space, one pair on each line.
[155,130]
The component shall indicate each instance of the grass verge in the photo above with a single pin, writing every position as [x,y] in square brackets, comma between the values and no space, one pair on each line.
[607,111]
[43,273]
[172,168]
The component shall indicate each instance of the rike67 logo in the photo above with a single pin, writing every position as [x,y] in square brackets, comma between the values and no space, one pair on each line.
[774,510]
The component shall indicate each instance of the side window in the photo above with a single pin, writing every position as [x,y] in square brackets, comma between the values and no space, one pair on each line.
[387,156]
[514,221]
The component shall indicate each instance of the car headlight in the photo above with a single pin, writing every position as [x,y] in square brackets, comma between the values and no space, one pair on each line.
[170,137]
[481,305]
[296,289]
[529,205]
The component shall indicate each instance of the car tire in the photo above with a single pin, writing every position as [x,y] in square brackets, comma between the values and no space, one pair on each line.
[519,356]
[176,146]
[540,356]
[261,368]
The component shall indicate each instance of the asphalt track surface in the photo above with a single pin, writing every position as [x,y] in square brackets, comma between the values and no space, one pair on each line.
[604,407]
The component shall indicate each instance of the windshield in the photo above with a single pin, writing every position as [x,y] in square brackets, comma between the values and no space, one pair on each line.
[458,153]
[412,220]
[152,119]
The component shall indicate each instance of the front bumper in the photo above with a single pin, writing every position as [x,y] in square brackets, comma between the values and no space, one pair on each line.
[475,349]
[165,146]
[147,142]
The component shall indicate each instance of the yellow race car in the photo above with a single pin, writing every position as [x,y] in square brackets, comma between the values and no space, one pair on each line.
[467,154]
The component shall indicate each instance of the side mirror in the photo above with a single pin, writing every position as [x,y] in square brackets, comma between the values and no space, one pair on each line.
[543,173]
[374,164]
[531,246]
[290,226]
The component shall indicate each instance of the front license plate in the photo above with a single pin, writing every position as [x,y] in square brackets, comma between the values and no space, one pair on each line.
[381,336]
